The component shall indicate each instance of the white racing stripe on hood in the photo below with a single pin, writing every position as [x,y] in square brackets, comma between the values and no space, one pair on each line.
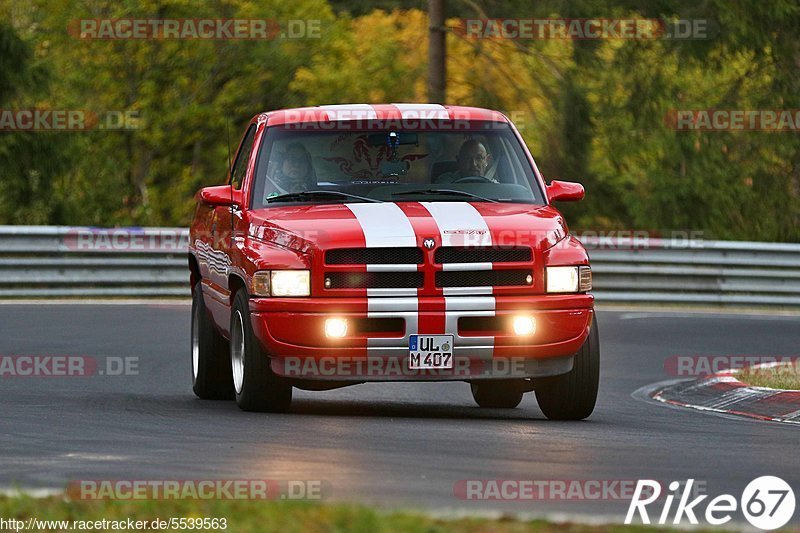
[460,224]
[385,225]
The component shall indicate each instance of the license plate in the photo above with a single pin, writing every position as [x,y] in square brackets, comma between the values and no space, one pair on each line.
[430,351]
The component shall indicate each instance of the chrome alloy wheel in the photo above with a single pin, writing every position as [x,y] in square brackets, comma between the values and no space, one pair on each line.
[237,351]
[195,341]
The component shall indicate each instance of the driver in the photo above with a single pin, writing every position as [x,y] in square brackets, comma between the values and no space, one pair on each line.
[295,173]
[472,160]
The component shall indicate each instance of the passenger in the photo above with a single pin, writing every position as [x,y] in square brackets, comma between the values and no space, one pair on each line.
[295,173]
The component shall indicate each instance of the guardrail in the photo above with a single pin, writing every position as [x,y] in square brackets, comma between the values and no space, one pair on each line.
[55,261]
[59,261]
[699,272]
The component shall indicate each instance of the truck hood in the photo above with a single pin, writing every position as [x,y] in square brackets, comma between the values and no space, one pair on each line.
[307,228]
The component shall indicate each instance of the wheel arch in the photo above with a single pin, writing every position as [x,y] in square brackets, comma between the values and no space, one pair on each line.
[235,284]
[194,270]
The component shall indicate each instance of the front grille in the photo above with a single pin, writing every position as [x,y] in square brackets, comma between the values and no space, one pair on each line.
[374,280]
[374,256]
[482,278]
[457,254]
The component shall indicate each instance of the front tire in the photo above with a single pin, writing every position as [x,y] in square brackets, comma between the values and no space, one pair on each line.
[211,373]
[572,396]
[256,386]
[497,394]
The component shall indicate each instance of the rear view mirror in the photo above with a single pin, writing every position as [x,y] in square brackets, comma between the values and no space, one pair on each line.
[386,139]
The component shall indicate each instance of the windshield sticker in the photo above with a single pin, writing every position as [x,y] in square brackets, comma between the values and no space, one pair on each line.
[366,160]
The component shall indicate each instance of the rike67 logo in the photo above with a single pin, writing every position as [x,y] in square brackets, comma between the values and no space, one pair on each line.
[767,503]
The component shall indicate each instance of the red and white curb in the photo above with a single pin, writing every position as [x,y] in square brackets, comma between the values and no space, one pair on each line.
[723,393]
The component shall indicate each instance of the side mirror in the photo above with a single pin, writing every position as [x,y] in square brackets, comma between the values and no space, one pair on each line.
[564,191]
[220,196]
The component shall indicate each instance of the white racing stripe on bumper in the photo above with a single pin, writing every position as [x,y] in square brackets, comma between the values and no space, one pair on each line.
[404,305]
[456,307]
[383,293]
[467,291]
[405,308]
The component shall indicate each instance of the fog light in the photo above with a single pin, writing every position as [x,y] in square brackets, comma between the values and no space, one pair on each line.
[335,328]
[524,325]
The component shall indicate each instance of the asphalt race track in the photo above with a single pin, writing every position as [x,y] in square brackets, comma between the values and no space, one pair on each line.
[396,445]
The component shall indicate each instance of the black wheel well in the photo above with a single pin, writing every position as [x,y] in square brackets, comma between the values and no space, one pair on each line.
[194,270]
[235,284]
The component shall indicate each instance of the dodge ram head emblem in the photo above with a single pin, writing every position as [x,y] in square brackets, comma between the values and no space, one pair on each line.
[428,243]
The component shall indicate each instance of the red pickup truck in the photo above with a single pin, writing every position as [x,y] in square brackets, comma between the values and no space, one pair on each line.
[396,242]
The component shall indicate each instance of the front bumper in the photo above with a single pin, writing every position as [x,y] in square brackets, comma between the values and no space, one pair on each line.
[291,331]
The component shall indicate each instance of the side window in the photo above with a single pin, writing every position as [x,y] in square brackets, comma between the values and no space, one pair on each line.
[240,166]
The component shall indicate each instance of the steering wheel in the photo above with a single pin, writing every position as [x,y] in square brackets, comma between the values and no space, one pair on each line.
[473,179]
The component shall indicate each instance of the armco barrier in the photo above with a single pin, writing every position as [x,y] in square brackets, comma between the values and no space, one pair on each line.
[698,272]
[56,261]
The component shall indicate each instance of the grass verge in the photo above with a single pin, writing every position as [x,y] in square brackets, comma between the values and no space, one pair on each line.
[785,376]
[288,517]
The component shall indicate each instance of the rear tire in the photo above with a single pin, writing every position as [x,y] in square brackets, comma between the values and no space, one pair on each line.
[256,386]
[572,396]
[211,371]
[498,394]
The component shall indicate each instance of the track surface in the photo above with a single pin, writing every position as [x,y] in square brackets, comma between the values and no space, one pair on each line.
[399,445]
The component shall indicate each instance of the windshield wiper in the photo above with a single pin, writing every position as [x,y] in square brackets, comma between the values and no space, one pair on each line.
[447,192]
[306,195]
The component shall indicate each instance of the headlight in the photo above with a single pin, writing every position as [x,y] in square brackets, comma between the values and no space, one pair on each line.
[565,279]
[290,283]
[281,283]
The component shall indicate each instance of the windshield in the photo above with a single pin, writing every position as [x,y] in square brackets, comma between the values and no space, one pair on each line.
[478,161]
